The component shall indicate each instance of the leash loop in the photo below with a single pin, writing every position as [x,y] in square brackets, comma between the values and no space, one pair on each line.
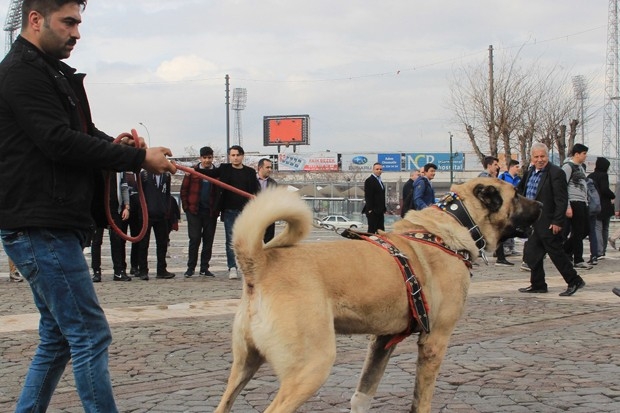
[145,214]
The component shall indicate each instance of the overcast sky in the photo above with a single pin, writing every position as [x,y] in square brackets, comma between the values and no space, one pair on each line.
[372,75]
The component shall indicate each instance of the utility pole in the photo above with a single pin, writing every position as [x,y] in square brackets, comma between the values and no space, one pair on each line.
[491,104]
[227,113]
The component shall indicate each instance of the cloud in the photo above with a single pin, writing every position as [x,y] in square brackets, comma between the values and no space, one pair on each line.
[186,68]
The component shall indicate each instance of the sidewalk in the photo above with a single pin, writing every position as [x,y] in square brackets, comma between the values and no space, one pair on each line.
[511,352]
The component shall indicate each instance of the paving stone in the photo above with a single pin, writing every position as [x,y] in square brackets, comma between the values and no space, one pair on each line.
[511,352]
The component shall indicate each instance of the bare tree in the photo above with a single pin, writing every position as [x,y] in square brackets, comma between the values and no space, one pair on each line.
[531,103]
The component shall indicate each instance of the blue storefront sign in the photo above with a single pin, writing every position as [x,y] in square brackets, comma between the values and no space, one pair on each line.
[442,160]
[390,161]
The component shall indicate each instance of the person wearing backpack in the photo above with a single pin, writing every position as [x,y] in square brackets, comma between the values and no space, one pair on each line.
[577,211]
[600,178]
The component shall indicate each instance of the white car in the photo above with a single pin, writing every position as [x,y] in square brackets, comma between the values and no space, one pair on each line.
[338,222]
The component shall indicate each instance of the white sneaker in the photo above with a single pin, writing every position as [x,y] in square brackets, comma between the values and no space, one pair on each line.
[233,273]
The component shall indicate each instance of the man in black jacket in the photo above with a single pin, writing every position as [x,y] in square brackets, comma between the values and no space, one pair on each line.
[46,129]
[242,177]
[546,182]
[374,195]
[408,192]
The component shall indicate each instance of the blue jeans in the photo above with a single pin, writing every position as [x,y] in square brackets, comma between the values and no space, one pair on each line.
[72,324]
[229,216]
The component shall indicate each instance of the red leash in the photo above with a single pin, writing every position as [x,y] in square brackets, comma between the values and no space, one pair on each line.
[145,212]
[143,207]
[215,181]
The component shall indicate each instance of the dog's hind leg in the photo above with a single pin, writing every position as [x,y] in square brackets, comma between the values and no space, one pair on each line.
[302,369]
[374,367]
[246,361]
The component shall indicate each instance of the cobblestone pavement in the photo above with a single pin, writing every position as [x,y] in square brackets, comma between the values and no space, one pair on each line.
[511,352]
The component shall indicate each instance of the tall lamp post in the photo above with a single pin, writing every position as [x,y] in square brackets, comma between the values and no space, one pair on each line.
[148,135]
[451,161]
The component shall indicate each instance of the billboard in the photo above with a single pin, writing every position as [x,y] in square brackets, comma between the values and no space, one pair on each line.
[390,162]
[317,162]
[286,130]
[442,160]
[358,162]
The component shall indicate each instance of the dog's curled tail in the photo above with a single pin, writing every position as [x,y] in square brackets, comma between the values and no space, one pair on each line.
[269,206]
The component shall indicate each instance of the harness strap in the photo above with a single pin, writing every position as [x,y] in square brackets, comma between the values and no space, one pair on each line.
[415,295]
[452,204]
[431,239]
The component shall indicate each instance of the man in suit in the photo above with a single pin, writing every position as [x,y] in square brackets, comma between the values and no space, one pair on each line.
[374,195]
[546,182]
[263,176]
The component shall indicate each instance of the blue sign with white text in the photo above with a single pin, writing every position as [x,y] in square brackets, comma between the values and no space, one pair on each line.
[442,160]
[389,161]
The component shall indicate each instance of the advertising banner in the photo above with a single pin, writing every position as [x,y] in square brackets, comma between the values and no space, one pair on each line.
[442,160]
[358,162]
[390,161]
[323,161]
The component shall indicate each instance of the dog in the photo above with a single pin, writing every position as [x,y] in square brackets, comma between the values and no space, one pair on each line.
[298,296]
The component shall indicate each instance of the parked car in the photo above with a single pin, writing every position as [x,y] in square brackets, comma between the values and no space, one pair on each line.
[338,221]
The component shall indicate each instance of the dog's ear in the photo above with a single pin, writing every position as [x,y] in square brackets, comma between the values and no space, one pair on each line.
[490,197]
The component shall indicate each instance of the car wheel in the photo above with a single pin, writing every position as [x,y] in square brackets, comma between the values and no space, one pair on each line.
[353,226]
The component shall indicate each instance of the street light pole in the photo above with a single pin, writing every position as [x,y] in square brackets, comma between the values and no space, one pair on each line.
[451,161]
[148,135]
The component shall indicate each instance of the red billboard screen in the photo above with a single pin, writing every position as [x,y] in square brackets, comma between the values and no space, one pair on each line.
[286,130]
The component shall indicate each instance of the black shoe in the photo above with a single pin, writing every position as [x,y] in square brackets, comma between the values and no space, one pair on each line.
[121,277]
[207,273]
[165,275]
[593,261]
[616,291]
[97,276]
[572,288]
[533,290]
[144,276]
[189,273]
[504,263]
[133,271]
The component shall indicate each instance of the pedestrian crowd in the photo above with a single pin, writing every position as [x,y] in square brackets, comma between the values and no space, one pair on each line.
[202,201]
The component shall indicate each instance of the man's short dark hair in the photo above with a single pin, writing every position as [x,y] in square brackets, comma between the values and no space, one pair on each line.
[512,163]
[262,161]
[46,7]
[206,151]
[429,166]
[488,160]
[578,148]
[237,148]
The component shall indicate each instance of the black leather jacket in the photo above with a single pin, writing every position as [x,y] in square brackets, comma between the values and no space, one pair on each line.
[51,154]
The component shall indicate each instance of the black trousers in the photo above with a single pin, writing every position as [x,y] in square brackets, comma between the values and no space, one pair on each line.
[539,244]
[200,229]
[95,249]
[375,222]
[160,229]
[579,229]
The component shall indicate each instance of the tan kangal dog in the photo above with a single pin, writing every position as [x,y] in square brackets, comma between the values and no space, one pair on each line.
[298,296]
